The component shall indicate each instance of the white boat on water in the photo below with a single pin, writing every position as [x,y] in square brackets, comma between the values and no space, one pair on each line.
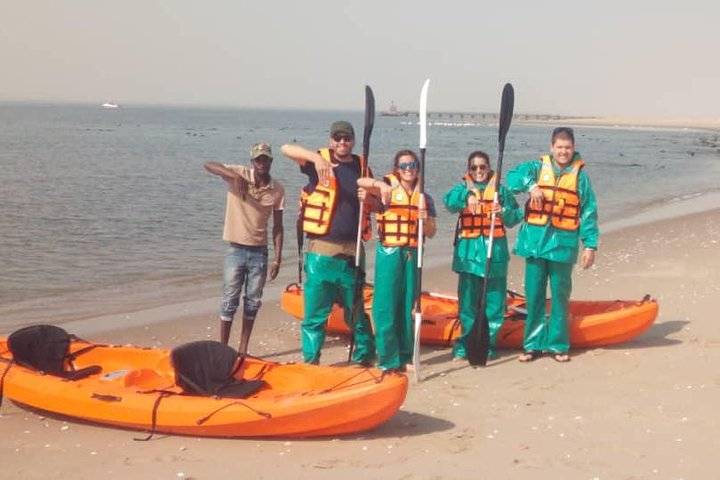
[109,105]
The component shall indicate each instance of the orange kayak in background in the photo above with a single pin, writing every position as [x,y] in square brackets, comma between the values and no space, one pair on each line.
[592,323]
[298,400]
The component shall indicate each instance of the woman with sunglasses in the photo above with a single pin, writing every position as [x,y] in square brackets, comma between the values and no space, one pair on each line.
[473,200]
[396,257]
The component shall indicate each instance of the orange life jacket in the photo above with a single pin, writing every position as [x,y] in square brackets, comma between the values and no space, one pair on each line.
[398,224]
[472,225]
[561,204]
[318,206]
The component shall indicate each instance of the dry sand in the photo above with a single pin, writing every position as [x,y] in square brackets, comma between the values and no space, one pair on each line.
[648,409]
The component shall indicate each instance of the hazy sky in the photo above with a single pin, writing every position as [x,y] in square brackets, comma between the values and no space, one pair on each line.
[567,57]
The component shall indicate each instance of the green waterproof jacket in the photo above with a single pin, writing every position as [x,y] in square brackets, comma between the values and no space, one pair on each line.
[471,253]
[546,241]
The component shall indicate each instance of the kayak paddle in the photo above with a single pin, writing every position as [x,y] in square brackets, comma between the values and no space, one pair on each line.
[417,313]
[358,306]
[479,338]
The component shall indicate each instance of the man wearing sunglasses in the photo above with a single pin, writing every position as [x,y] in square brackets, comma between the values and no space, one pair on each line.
[473,199]
[252,196]
[329,213]
[560,212]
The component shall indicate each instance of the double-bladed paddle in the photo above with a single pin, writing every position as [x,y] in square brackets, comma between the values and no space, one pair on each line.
[359,305]
[367,131]
[417,313]
[479,338]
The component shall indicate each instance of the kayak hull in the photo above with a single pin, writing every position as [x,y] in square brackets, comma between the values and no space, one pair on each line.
[299,400]
[592,323]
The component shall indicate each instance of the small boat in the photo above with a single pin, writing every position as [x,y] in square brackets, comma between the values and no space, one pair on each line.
[592,323]
[109,105]
[393,112]
[136,388]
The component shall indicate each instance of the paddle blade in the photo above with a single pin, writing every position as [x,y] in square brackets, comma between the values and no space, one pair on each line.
[478,344]
[416,346]
[369,120]
[507,104]
[423,113]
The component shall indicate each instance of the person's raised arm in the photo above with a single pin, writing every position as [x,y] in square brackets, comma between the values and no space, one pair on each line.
[302,155]
[376,188]
[369,193]
[230,176]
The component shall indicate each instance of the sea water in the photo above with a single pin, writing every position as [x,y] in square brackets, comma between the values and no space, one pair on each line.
[94,200]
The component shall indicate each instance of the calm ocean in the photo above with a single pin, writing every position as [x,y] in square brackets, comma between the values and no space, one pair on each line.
[95,199]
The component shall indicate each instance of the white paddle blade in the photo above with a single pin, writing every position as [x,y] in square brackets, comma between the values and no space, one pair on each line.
[423,113]
[416,346]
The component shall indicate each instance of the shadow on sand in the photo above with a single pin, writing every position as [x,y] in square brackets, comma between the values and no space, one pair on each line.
[656,336]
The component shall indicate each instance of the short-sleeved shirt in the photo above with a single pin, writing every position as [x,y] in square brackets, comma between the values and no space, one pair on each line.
[246,221]
[344,223]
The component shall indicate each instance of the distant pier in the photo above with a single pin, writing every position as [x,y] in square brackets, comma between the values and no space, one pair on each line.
[478,116]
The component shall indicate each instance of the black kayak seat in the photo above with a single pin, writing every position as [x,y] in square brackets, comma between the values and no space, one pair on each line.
[46,349]
[208,368]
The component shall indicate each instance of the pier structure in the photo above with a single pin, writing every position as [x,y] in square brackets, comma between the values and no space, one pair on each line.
[476,116]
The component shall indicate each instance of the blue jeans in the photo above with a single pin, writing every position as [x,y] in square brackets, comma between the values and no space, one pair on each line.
[244,265]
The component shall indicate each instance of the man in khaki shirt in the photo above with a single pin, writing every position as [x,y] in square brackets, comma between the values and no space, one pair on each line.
[252,197]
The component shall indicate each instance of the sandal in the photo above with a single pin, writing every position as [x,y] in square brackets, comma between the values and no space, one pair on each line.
[561,357]
[529,356]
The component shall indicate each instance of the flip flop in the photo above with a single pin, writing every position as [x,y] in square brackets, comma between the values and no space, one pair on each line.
[529,356]
[561,357]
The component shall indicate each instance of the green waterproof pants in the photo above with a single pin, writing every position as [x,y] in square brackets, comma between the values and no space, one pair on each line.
[393,300]
[547,333]
[469,291]
[330,280]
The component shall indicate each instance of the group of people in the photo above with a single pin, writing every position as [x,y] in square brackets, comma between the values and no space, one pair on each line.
[337,202]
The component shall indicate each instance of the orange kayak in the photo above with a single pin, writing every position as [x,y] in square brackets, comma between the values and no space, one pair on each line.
[297,400]
[592,323]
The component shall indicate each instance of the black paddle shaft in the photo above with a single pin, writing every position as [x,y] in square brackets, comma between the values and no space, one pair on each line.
[359,299]
[479,338]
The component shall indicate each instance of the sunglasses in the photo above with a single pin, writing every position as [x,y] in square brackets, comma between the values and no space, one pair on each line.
[482,167]
[339,137]
[408,165]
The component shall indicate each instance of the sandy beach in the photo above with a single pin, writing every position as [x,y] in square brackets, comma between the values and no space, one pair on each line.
[692,123]
[645,409]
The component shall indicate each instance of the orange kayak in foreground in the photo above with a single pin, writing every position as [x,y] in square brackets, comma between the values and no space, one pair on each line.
[592,323]
[298,400]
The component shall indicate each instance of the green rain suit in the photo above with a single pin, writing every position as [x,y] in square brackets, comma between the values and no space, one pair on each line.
[550,254]
[331,274]
[469,262]
[333,279]
[395,294]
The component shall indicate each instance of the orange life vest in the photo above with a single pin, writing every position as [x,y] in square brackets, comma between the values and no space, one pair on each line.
[472,225]
[318,206]
[561,204]
[398,223]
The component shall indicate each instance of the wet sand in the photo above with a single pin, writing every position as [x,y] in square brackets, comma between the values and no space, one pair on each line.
[645,409]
